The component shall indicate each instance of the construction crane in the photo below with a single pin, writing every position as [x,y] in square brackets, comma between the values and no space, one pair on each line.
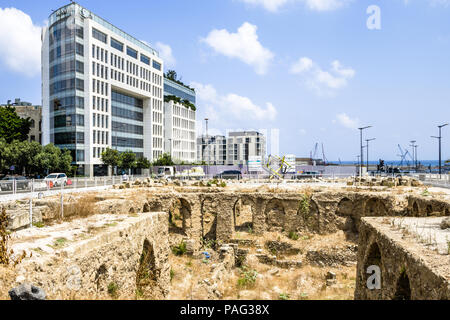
[403,155]
[325,160]
[314,155]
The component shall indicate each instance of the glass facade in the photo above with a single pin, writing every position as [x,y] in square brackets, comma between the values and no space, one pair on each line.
[174,89]
[127,123]
[66,70]
[117,45]
[132,53]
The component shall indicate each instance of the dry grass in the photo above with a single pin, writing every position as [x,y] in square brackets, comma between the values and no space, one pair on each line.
[81,207]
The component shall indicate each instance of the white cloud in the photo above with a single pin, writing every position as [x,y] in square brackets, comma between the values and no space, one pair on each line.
[20,42]
[243,45]
[346,121]
[269,5]
[315,5]
[165,52]
[325,5]
[231,106]
[320,80]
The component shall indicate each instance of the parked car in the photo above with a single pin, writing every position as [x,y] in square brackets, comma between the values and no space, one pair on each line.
[309,175]
[56,179]
[7,183]
[229,174]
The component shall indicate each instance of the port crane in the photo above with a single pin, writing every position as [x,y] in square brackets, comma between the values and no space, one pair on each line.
[403,154]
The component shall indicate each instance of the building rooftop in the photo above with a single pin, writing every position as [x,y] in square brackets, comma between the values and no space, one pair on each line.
[74,8]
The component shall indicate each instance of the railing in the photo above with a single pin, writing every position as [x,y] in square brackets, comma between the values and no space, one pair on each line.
[22,189]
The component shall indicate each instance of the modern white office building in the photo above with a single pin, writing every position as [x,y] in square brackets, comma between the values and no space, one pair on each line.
[212,149]
[101,88]
[243,145]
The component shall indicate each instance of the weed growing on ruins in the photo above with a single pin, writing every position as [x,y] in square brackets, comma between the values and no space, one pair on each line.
[303,296]
[426,193]
[59,243]
[113,289]
[293,235]
[180,249]
[305,206]
[247,277]
[39,224]
[284,296]
[172,274]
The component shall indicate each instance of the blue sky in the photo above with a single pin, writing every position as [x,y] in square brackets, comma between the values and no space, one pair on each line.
[310,68]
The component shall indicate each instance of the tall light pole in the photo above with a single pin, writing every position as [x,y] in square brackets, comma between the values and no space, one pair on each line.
[207,144]
[170,146]
[367,146]
[414,148]
[440,146]
[362,149]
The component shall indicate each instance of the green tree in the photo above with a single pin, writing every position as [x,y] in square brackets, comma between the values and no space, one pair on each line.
[171,75]
[13,127]
[53,159]
[164,161]
[111,158]
[143,163]
[128,160]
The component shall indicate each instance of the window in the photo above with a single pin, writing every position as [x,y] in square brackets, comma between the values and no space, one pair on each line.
[132,53]
[99,35]
[156,65]
[116,45]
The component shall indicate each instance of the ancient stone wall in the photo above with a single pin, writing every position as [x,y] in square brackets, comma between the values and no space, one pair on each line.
[128,259]
[408,270]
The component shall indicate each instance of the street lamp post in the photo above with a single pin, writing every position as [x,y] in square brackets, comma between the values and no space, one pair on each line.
[414,148]
[440,146]
[367,146]
[207,144]
[362,149]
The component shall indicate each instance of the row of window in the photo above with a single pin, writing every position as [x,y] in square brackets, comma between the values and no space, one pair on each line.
[100,137]
[99,70]
[127,128]
[62,32]
[100,87]
[63,138]
[127,142]
[183,123]
[69,120]
[127,114]
[66,67]
[182,111]
[157,130]
[126,99]
[68,84]
[67,103]
[157,144]
[97,34]
[100,104]
[99,53]
[97,152]
[66,50]
[100,120]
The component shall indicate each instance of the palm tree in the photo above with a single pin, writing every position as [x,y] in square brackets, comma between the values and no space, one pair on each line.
[171,75]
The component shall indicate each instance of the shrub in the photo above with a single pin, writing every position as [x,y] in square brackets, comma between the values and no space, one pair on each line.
[113,289]
[180,249]
[284,296]
[247,277]
[293,235]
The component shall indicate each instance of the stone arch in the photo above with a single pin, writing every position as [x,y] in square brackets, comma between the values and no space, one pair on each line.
[415,209]
[180,216]
[243,215]
[147,274]
[403,287]
[275,215]
[345,211]
[375,208]
[373,257]
[209,218]
[309,215]
[429,210]
[345,208]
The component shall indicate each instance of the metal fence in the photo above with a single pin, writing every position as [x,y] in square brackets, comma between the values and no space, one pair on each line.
[21,189]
